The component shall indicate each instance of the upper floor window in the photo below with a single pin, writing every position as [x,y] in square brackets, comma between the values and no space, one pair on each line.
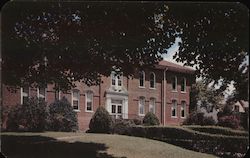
[24,94]
[75,99]
[183,109]
[141,79]
[89,101]
[152,105]
[116,79]
[183,84]
[174,83]
[174,108]
[236,108]
[141,105]
[41,93]
[152,80]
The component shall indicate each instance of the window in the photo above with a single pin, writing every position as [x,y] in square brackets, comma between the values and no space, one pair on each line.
[116,108]
[57,94]
[152,80]
[116,79]
[183,85]
[174,108]
[24,94]
[141,79]
[89,101]
[174,83]
[152,105]
[183,109]
[236,108]
[141,105]
[41,93]
[75,99]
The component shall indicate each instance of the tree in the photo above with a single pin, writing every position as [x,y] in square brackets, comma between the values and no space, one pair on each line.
[204,95]
[65,42]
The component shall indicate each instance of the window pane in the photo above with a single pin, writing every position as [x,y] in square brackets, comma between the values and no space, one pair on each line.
[116,101]
[42,91]
[119,109]
[183,85]
[141,78]
[75,104]
[173,83]
[25,99]
[113,79]
[113,109]
[152,80]
[89,106]
[89,100]
[57,95]
[141,105]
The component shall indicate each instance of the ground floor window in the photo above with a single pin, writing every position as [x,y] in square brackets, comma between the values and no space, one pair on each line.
[174,108]
[183,109]
[24,94]
[89,101]
[75,99]
[152,105]
[141,105]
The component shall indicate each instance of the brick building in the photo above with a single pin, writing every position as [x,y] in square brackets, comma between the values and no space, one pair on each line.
[164,90]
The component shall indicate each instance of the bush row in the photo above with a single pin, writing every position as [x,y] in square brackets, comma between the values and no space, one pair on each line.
[36,116]
[218,130]
[203,142]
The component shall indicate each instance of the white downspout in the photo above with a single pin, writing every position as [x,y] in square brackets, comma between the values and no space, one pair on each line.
[164,97]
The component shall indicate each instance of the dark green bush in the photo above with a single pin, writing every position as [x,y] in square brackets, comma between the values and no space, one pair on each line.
[231,121]
[150,119]
[101,121]
[122,126]
[218,130]
[62,117]
[31,116]
[137,121]
[198,118]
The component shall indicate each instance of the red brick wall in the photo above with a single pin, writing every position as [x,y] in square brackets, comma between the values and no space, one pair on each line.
[134,92]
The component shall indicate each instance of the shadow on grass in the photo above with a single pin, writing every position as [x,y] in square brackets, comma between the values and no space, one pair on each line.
[46,147]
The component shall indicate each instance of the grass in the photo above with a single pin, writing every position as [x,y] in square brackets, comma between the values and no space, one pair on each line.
[60,144]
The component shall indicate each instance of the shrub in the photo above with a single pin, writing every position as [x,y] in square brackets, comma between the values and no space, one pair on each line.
[122,126]
[231,121]
[101,122]
[198,118]
[31,116]
[150,119]
[62,117]
[137,121]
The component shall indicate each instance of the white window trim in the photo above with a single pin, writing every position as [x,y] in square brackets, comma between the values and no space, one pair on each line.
[185,108]
[21,89]
[150,81]
[92,106]
[143,79]
[152,105]
[116,80]
[143,106]
[59,94]
[172,107]
[38,93]
[185,85]
[76,110]
[176,88]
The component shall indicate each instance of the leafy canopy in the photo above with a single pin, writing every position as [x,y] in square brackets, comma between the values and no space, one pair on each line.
[63,42]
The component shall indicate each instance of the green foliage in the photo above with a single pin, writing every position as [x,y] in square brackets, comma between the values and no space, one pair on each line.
[194,140]
[101,121]
[207,96]
[198,118]
[62,116]
[31,116]
[137,121]
[218,130]
[150,119]
[231,121]
[120,34]
[122,126]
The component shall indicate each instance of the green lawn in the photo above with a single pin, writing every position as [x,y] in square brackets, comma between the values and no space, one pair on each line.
[76,145]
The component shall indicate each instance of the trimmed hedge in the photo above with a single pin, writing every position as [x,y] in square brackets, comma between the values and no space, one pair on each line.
[194,140]
[218,130]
